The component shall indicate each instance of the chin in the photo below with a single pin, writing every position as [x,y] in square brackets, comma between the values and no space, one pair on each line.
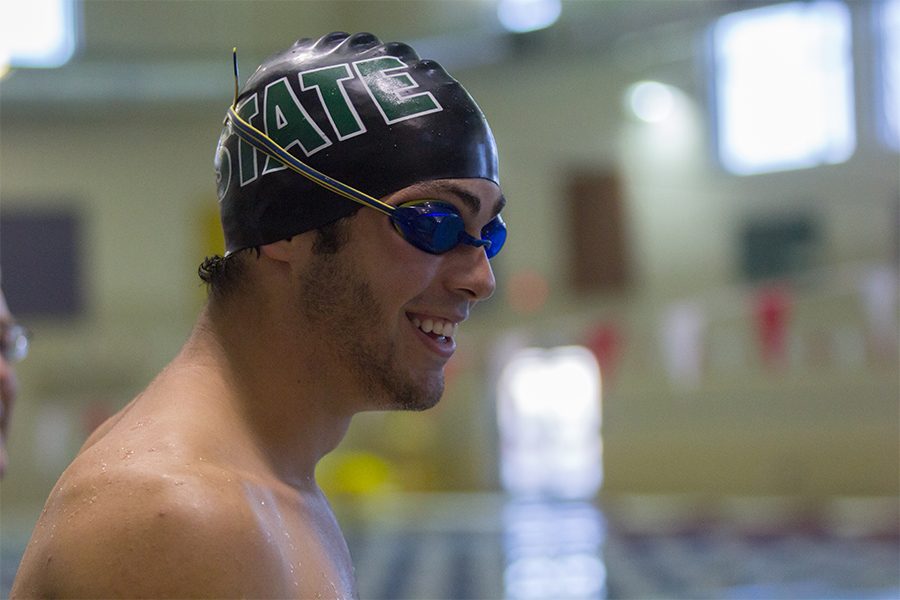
[422,404]
[413,397]
[431,394]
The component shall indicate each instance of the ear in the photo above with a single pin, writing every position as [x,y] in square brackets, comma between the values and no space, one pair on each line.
[283,250]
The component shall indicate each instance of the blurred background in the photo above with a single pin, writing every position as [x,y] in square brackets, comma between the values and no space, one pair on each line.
[687,382]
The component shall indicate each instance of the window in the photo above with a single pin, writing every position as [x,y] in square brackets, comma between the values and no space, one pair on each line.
[36,33]
[548,409]
[889,76]
[783,86]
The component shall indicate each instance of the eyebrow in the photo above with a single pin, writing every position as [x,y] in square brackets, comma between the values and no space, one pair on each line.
[472,202]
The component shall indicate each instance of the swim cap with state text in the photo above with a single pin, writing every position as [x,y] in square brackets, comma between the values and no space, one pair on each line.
[374,116]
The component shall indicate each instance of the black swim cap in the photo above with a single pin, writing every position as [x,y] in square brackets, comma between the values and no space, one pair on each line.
[371,115]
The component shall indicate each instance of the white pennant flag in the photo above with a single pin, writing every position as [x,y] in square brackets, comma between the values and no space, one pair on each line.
[683,330]
[878,289]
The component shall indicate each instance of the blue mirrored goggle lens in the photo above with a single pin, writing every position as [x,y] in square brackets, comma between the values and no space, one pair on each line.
[436,228]
[495,231]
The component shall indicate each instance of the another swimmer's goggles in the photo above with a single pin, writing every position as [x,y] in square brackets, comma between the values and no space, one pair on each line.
[433,226]
[14,341]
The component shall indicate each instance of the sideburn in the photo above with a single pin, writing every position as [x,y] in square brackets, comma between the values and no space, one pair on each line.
[332,237]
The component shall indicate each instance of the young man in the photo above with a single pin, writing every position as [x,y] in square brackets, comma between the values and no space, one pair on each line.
[359,196]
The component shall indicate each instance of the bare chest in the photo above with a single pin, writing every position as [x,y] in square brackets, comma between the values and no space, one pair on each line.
[304,533]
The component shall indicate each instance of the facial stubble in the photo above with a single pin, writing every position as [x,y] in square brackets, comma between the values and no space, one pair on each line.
[339,305]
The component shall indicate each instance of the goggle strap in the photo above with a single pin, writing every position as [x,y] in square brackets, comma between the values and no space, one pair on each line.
[268,146]
[236,75]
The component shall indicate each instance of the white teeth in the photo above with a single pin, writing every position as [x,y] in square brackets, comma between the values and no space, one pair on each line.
[437,327]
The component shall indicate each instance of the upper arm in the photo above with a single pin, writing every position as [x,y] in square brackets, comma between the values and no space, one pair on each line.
[143,539]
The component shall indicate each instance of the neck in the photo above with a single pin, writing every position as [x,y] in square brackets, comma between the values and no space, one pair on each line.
[272,385]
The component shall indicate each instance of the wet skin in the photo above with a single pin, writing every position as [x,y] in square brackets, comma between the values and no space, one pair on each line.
[203,486]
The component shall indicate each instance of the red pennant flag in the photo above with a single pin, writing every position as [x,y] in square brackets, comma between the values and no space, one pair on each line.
[773,307]
[605,341]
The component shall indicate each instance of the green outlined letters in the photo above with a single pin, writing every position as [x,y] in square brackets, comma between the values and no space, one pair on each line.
[288,123]
[328,83]
[284,118]
[386,85]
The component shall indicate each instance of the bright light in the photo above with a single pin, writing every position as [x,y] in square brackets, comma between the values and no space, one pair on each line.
[549,418]
[784,87]
[4,62]
[651,101]
[37,33]
[553,550]
[890,72]
[521,16]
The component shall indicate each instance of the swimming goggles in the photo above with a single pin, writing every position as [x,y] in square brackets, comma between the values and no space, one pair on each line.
[430,225]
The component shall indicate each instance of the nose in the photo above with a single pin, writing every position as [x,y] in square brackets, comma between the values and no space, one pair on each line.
[471,273]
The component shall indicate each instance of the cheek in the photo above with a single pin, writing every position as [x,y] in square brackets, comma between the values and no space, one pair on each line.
[402,278]
[398,267]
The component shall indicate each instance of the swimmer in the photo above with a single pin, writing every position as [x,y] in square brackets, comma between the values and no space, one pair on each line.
[360,201]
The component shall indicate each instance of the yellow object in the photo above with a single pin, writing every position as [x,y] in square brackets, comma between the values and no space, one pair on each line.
[354,473]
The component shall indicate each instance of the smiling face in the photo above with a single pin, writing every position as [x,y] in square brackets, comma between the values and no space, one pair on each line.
[387,311]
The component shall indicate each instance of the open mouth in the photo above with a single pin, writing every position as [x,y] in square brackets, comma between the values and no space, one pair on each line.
[438,329]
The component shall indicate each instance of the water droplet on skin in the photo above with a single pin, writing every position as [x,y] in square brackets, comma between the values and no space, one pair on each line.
[179,482]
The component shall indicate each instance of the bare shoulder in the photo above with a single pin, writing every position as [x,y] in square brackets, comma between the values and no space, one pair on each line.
[145,531]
